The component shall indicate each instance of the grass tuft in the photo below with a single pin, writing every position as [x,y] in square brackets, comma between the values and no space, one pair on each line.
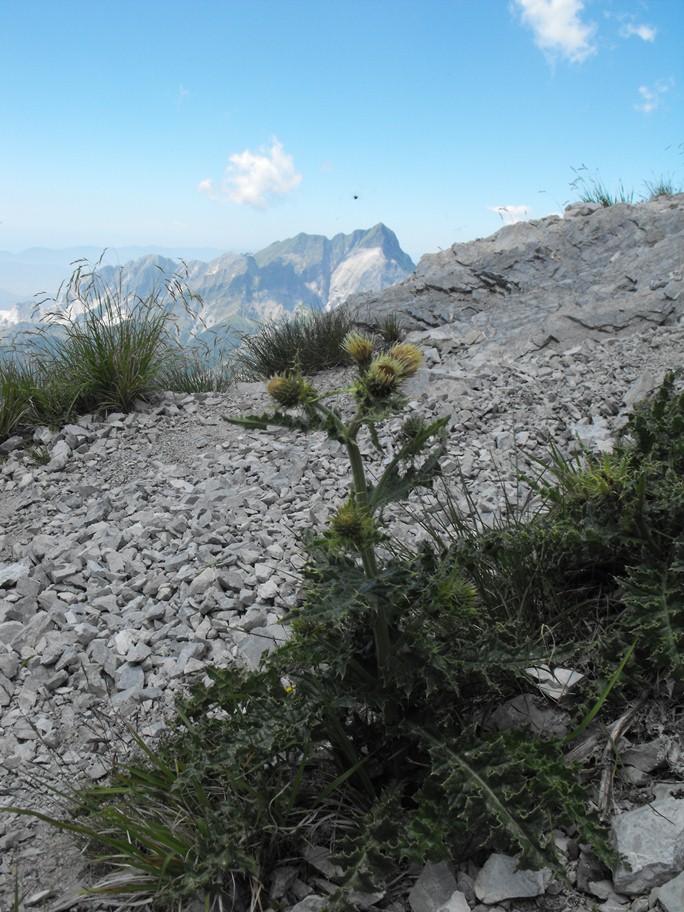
[663,186]
[310,341]
[100,349]
[191,374]
[592,189]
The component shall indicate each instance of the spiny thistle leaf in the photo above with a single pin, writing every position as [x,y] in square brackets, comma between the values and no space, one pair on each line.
[372,854]
[312,421]
[656,597]
[395,485]
[505,791]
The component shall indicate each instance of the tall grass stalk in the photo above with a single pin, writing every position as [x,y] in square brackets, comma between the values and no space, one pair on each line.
[592,189]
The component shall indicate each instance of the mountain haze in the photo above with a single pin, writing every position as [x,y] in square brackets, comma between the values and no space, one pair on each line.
[306,271]
[39,270]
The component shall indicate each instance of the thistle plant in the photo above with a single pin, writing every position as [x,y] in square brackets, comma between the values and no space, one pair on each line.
[392,693]
[376,395]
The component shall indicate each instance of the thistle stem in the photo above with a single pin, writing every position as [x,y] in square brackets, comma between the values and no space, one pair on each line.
[381,635]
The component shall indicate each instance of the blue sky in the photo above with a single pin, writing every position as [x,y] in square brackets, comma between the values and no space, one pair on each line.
[235,123]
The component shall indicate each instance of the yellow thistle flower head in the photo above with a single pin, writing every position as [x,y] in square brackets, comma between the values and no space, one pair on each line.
[383,377]
[358,346]
[290,390]
[408,355]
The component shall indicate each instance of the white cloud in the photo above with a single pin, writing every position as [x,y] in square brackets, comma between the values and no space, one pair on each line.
[206,186]
[652,96]
[510,214]
[645,32]
[255,179]
[558,28]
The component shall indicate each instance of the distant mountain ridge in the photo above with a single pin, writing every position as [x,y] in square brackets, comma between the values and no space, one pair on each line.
[306,271]
[38,270]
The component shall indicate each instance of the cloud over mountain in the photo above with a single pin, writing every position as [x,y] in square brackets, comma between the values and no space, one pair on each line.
[255,179]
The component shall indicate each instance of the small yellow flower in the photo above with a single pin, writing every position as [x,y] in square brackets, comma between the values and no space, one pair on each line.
[408,355]
[358,346]
[290,390]
[287,686]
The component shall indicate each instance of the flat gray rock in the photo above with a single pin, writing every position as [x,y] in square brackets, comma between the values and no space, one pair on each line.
[549,282]
[259,642]
[651,839]
[311,903]
[671,895]
[433,889]
[10,574]
[500,879]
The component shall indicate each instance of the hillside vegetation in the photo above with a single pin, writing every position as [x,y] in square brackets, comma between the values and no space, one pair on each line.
[369,734]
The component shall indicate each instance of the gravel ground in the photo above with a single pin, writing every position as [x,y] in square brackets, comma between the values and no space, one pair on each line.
[261,491]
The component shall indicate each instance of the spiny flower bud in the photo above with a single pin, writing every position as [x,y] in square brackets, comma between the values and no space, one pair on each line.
[353,525]
[290,390]
[384,376]
[358,346]
[413,426]
[408,355]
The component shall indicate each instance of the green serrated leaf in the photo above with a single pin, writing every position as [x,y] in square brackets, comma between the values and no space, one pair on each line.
[656,597]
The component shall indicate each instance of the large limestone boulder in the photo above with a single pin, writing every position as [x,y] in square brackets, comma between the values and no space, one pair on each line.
[594,273]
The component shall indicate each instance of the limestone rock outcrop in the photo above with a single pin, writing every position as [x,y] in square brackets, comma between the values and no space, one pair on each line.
[594,273]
